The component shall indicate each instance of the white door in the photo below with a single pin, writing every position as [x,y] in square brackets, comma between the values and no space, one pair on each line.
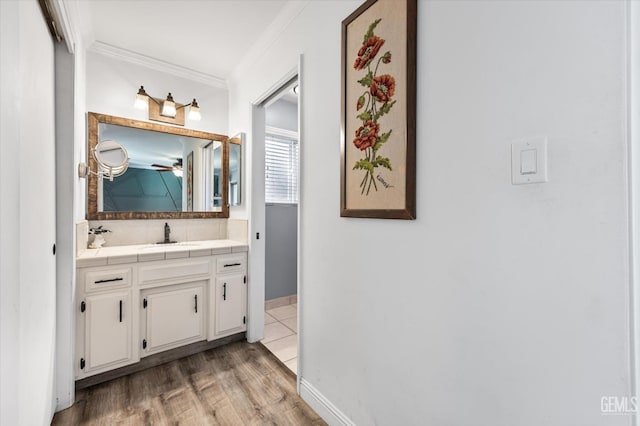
[108,329]
[28,195]
[230,304]
[174,317]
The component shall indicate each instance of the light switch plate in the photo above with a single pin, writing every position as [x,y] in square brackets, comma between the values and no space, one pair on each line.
[529,161]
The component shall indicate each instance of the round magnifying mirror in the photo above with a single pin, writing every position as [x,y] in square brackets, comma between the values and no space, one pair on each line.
[111,157]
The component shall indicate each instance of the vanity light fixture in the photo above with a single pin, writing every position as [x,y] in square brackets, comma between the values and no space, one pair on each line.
[166,110]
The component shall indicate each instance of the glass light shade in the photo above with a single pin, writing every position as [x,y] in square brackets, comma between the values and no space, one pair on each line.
[169,108]
[177,172]
[142,99]
[142,102]
[194,113]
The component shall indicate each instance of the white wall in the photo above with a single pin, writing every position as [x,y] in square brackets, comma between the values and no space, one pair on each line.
[501,304]
[9,213]
[27,217]
[112,85]
[65,223]
[634,146]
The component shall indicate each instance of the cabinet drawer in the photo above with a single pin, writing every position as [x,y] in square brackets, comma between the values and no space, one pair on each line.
[107,279]
[177,270]
[232,263]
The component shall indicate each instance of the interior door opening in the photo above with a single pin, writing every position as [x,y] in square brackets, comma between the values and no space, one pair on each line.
[282,160]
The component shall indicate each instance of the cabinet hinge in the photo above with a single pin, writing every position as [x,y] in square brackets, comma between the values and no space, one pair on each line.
[144,343]
[144,303]
[82,363]
[244,319]
[245,279]
[83,306]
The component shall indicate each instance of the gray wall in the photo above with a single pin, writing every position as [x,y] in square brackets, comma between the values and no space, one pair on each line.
[283,115]
[281,250]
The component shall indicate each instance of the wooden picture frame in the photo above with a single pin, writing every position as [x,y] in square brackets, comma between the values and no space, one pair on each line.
[189,178]
[378,105]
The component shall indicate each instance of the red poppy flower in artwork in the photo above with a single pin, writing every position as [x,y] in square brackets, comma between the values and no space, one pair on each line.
[366,135]
[383,87]
[368,51]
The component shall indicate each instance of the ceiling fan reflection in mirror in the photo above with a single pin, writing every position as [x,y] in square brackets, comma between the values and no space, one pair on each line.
[176,168]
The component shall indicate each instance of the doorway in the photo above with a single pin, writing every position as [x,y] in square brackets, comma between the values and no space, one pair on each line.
[281,188]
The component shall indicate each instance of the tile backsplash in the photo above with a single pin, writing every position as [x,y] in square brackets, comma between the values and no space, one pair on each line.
[237,230]
[128,232]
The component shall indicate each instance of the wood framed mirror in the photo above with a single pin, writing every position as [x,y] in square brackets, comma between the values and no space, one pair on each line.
[174,173]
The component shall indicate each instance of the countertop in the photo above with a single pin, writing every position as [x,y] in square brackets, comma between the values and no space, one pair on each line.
[116,255]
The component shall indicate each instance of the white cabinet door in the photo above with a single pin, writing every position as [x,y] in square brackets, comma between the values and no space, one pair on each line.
[173,317]
[230,304]
[108,327]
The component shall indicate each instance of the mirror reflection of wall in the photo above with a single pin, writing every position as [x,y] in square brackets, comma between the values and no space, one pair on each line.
[213,175]
[235,170]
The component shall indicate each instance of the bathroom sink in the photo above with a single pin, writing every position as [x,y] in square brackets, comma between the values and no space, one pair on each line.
[165,246]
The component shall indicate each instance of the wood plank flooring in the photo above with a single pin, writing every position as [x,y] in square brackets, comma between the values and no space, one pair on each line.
[236,384]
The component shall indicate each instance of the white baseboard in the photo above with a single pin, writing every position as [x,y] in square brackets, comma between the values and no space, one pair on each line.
[322,405]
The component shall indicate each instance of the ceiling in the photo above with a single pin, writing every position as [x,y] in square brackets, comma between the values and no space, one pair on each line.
[208,36]
[145,147]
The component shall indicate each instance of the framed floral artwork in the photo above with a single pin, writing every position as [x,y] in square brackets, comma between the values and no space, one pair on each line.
[378,146]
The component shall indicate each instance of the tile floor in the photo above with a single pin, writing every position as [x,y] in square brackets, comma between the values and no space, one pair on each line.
[281,334]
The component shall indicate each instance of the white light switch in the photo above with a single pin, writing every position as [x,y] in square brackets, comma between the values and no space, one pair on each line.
[529,161]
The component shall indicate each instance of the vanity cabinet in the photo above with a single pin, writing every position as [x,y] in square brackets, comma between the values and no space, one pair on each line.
[230,295]
[230,307]
[173,316]
[108,330]
[128,311]
[105,322]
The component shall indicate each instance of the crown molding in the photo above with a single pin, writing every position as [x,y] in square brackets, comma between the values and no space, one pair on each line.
[156,64]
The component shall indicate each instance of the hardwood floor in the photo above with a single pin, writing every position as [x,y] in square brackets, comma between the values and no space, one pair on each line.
[236,384]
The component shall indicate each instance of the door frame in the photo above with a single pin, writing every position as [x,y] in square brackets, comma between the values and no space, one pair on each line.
[257,212]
